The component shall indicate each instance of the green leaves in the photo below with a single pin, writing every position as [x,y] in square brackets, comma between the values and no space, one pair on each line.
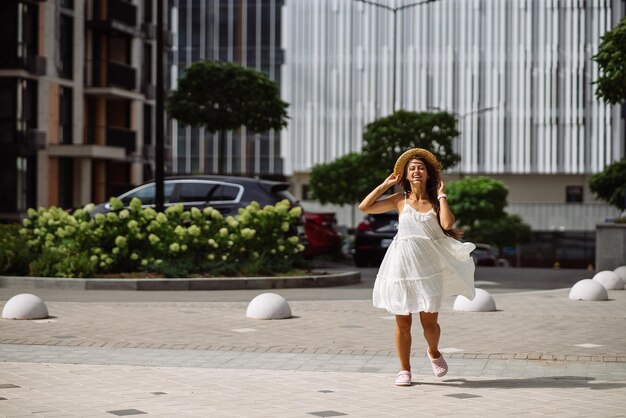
[506,231]
[478,204]
[611,58]
[346,180]
[610,184]
[223,96]
[175,242]
[350,178]
[473,199]
[387,138]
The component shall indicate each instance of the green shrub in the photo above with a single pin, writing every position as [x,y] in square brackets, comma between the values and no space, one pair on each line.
[175,242]
[14,254]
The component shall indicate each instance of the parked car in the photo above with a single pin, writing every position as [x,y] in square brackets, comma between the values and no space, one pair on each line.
[372,238]
[224,193]
[321,234]
[374,235]
[484,255]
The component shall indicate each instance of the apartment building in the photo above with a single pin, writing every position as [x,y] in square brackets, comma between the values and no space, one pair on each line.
[77,101]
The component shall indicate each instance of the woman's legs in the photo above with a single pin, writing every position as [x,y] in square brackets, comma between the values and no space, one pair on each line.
[403,340]
[432,332]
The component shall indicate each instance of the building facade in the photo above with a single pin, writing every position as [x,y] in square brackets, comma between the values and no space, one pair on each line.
[76,93]
[245,32]
[518,74]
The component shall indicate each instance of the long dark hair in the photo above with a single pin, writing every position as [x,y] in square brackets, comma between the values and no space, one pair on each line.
[432,185]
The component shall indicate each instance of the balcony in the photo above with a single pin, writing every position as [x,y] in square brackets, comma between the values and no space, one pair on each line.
[110,74]
[23,143]
[148,30]
[36,139]
[121,137]
[114,15]
[148,90]
[18,57]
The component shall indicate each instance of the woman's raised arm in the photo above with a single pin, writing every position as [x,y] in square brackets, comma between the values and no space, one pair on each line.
[371,204]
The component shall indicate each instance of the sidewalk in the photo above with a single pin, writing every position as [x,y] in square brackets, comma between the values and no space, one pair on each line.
[540,354]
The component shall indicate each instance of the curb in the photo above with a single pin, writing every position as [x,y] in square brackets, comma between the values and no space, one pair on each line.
[217,283]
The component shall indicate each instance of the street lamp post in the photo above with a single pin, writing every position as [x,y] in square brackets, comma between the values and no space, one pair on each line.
[159,157]
[395,11]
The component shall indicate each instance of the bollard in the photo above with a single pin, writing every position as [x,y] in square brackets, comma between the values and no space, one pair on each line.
[268,306]
[25,306]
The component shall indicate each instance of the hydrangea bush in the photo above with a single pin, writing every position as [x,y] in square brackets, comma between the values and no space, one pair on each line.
[175,242]
[14,253]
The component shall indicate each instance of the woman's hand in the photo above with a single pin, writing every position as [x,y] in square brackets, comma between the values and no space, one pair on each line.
[442,188]
[390,181]
[371,204]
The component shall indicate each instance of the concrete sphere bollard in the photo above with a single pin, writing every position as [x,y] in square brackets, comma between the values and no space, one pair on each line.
[268,306]
[621,273]
[609,280]
[588,289]
[25,306]
[482,302]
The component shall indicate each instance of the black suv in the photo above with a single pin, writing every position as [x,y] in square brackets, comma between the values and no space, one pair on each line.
[224,193]
[373,237]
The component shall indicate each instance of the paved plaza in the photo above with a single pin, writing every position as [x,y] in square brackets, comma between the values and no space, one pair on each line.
[105,354]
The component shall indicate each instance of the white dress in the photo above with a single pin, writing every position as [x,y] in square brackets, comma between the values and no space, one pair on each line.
[422,266]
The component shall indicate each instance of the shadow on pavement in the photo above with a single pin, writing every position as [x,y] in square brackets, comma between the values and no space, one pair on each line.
[560,382]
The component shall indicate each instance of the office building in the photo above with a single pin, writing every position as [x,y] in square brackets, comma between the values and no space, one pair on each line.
[518,74]
[245,32]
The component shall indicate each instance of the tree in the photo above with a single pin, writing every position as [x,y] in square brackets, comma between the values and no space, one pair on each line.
[478,204]
[344,181]
[610,184]
[611,58]
[386,138]
[506,231]
[350,178]
[222,96]
[473,199]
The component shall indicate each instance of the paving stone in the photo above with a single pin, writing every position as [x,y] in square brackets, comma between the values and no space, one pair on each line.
[125,353]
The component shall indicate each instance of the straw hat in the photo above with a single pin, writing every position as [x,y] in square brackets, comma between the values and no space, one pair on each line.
[420,153]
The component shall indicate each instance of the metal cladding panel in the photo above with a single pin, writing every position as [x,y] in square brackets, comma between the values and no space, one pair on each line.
[518,73]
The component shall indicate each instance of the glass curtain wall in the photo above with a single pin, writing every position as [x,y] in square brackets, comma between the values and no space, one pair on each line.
[246,32]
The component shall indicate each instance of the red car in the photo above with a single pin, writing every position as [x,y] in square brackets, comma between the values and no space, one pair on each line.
[321,234]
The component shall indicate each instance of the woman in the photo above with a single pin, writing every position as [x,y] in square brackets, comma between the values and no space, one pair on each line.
[424,263]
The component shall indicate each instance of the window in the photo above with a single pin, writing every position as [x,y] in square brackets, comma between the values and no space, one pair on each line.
[147,11]
[146,70]
[66,184]
[8,33]
[21,186]
[66,44]
[146,194]
[574,194]
[8,92]
[225,193]
[147,125]
[195,192]
[65,115]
